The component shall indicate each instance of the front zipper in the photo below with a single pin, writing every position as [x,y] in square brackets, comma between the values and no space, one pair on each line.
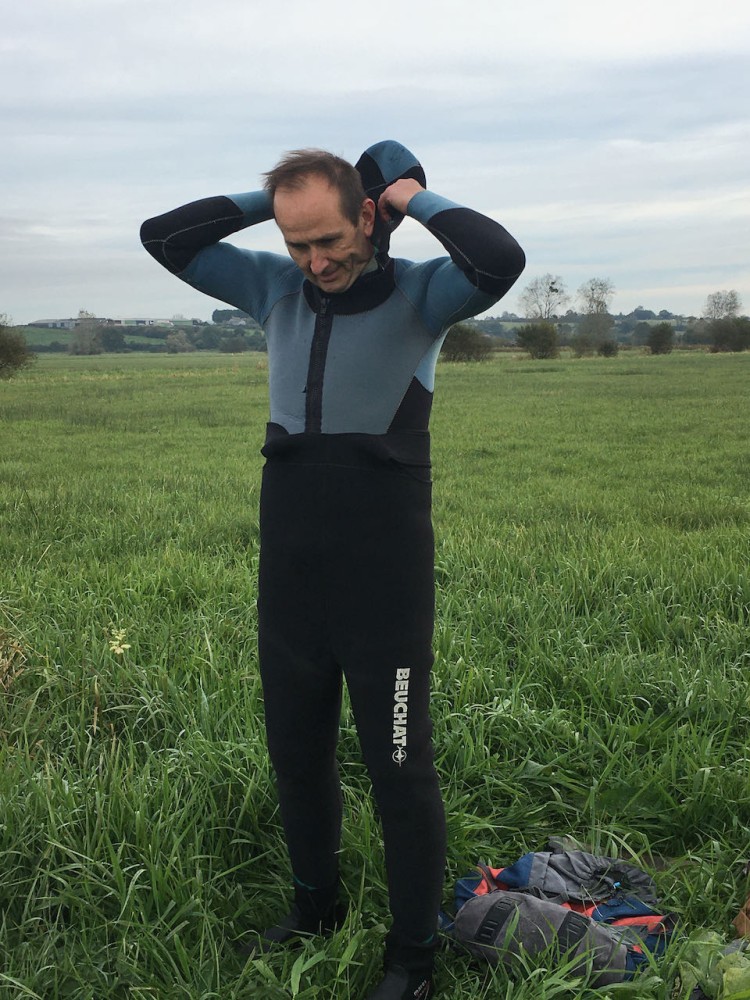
[316,369]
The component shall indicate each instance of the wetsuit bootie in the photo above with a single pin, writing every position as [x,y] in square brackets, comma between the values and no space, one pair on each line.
[399,984]
[408,967]
[314,912]
[293,929]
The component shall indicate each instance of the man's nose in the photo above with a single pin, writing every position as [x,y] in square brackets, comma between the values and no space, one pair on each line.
[318,261]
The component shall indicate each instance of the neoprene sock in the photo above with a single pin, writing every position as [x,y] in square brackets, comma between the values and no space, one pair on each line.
[417,958]
[314,911]
[398,984]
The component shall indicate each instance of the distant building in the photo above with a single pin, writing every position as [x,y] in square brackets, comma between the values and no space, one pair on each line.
[55,324]
[144,322]
[71,324]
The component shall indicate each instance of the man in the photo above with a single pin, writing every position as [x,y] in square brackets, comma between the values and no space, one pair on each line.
[346,583]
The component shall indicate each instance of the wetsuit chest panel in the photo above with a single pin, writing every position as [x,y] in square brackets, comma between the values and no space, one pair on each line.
[372,358]
[289,335]
[369,361]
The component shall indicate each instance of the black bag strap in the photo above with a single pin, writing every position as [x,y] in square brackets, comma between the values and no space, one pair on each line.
[572,930]
[494,919]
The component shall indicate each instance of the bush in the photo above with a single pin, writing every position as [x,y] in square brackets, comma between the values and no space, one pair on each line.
[465,343]
[661,338]
[594,330]
[539,339]
[14,351]
[233,345]
[732,333]
[583,345]
[608,349]
[178,343]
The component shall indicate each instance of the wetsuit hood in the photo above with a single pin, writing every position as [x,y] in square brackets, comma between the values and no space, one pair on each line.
[379,166]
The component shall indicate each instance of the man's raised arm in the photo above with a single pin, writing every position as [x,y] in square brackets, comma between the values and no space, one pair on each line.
[481,248]
[175,238]
[188,243]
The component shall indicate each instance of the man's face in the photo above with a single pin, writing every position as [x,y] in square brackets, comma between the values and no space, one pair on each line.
[326,246]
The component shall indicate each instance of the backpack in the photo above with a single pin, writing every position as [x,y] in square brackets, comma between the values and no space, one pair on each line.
[600,913]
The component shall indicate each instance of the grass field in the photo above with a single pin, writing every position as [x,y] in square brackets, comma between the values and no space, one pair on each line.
[592,671]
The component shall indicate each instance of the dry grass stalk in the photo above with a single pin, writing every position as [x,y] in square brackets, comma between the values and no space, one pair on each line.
[12,660]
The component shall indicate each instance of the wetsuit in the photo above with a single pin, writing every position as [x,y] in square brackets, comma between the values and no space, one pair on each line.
[346,575]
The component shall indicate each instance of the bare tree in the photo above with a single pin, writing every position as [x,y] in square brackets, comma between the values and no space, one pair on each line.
[595,295]
[543,298]
[85,339]
[179,343]
[720,305]
[594,329]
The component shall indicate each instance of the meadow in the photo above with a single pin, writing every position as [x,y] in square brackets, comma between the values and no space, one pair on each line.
[592,674]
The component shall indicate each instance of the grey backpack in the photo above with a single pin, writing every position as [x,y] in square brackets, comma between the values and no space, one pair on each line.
[501,926]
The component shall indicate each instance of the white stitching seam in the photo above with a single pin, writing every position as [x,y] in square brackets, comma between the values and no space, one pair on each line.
[187,229]
[446,239]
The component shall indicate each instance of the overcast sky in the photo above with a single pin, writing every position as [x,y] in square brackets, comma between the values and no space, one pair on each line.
[612,139]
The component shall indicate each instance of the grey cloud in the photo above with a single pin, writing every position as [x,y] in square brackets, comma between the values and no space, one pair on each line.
[113,111]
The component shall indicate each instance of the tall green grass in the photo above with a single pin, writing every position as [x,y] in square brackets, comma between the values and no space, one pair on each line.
[592,652]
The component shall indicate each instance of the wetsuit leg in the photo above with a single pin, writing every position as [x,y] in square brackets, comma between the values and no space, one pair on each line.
[301,681]
[347,578]
[381,626]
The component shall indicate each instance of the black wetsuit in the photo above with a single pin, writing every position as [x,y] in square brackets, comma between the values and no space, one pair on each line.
[346,576]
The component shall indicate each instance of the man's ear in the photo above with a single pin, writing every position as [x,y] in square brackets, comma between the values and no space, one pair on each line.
[368,216]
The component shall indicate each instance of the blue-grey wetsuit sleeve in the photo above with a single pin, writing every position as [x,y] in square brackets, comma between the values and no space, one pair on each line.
[485,261]
[187,242]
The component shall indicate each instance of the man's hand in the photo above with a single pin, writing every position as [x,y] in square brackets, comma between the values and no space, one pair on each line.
[395,199]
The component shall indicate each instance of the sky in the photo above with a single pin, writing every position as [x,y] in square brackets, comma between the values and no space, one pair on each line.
[611,139]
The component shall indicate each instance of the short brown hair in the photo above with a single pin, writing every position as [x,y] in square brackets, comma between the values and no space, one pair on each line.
[297,165]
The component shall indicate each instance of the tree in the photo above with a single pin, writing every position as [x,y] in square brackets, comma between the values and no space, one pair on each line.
[235,344]
[85,339]
[544,298]
[84,342]
[539,339]
[595,295]
[224,315]
[465,343]
[207,339]
[112,339]
[595,325]
[720,305]
[178,343]
[14,351]
[593,332]
[660,339]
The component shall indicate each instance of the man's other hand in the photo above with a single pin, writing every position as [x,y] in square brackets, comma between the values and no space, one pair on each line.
[395,199]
